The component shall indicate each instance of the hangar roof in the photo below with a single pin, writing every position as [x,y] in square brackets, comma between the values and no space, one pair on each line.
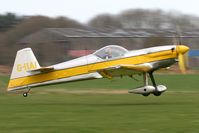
[137,33]
[64,33]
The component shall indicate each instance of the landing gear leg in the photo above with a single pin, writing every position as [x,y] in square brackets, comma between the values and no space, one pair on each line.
[156,92]
[145,79]
[145,83]
[25,94]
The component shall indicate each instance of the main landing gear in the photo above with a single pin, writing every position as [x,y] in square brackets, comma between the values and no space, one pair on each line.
[147,89]
[156,92]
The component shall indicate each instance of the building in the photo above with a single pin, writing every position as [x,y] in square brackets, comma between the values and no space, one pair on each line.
[54,45]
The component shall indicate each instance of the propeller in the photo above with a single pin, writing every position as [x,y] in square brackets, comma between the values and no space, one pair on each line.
[181,51]
[181,63]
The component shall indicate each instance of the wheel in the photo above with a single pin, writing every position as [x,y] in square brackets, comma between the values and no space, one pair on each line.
[146,94]
[25,94]
[157,93]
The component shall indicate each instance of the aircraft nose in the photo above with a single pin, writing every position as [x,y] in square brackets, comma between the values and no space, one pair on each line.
[181,49]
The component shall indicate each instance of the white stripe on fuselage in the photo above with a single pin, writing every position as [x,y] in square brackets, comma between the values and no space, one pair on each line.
[149,50]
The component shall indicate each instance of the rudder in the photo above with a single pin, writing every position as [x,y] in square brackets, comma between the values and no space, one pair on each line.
[25,60]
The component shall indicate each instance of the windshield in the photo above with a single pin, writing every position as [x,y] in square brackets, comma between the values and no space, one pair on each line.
[110,52]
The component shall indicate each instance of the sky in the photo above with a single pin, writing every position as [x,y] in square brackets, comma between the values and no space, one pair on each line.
[84,10]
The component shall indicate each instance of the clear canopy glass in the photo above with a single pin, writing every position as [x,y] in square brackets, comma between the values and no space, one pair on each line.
[111,51]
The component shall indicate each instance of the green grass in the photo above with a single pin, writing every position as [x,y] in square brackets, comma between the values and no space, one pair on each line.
[176,111]
[170,113]
[174,82]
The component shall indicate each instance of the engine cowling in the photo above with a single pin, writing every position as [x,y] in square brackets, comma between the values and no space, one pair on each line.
[148,89]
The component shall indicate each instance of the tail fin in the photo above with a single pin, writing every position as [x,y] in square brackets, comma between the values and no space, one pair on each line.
[25,60]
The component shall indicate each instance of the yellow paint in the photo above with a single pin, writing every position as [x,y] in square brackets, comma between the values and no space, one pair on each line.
[106,74]
[138,68]
[26,66]
[69,72]
[19,68]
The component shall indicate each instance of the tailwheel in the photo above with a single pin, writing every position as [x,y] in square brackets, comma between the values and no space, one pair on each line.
[25,94]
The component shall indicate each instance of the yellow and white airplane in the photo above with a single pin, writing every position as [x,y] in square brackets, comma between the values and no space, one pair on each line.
[107,62]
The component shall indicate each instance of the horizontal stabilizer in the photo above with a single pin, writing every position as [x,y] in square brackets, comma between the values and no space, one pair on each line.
[42,70]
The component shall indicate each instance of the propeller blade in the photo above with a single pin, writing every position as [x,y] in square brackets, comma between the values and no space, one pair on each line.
[181,63]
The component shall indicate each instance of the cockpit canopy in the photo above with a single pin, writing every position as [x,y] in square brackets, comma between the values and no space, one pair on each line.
[111,51]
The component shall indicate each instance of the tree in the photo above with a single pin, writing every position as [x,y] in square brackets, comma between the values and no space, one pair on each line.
[8,20]
[27,26]
[105,21]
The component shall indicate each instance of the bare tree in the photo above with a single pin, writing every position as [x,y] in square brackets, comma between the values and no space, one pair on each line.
[105,21]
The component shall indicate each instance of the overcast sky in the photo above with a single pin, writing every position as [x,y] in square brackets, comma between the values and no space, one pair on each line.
[84,10]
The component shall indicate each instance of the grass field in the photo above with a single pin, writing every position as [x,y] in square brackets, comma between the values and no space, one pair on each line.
[46,111]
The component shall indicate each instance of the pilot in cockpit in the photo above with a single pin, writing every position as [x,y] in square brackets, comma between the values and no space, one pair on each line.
[108,53]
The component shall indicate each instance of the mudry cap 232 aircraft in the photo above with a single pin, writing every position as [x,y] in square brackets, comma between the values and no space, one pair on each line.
[107,62]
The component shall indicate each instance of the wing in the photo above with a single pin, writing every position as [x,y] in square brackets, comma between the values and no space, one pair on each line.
[121,70]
